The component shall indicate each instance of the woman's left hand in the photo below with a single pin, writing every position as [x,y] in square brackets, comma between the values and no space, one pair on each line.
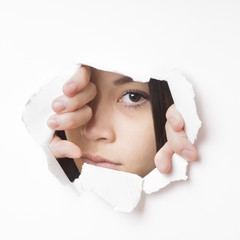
[177,142]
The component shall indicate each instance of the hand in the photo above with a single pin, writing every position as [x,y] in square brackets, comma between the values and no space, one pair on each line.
[177,142]
[72,111]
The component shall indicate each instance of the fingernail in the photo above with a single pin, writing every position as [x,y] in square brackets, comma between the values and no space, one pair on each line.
[72,87]
[53,123]
[187,154]
[162,166]
[59,106]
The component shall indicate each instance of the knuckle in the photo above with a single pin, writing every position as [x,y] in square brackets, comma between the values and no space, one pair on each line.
[70,123]
[93,88]
[85,72]
[58,99]
[53,145]
[170,111]
[84,117]
[74,103]
[91,91]
[88,110]
[67,121]
[79,117]
[167,152]
[85,69]
[176,144]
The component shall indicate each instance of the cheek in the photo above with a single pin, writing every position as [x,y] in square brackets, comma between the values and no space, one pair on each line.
[136,138]
[73,135]
[137,128]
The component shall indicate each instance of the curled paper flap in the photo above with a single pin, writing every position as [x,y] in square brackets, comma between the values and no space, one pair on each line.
[38,109]
[122,190]
[183,96]
[155,180]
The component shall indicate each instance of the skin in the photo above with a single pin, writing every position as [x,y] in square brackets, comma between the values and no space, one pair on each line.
[101,128]
[120,129]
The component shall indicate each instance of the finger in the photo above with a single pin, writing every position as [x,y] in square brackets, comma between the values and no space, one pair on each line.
[70,104]
[163,159]
[175,118]
[77,82]
[180,144]
[70,120]
[63,148]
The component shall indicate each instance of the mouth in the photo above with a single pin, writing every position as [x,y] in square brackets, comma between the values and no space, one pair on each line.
[99,161]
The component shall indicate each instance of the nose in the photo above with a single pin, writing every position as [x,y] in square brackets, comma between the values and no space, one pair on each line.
[101,125]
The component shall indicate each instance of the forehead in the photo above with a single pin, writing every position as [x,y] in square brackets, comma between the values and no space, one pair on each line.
[108,81]
[98,76]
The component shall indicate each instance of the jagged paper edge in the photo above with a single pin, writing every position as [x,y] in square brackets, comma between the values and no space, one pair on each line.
[35,116]
[121,190]
[183,96]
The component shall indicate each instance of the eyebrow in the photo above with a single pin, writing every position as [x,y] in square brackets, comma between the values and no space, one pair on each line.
[122,81]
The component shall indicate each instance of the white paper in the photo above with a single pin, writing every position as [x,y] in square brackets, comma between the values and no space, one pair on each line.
[120,189]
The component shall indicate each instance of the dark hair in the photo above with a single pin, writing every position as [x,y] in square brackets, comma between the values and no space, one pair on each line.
[161,100]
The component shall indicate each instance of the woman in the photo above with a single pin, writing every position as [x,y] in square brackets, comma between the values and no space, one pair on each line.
[110,121]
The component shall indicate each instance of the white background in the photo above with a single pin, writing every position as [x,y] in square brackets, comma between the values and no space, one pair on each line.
[201,38]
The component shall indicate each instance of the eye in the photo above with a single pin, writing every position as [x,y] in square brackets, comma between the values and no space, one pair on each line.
[134,98]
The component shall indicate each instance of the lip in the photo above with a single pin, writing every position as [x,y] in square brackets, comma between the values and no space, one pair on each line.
[99,161]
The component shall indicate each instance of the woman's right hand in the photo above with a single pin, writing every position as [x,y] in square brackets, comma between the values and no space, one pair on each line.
[71,111]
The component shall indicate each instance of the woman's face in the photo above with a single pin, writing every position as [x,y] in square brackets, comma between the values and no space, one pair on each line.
[120,134]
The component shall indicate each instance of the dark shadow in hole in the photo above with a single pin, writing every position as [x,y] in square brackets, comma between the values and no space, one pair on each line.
[67,164]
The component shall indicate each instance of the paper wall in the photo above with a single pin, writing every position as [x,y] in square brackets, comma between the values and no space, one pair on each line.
[120,189]
[200,38]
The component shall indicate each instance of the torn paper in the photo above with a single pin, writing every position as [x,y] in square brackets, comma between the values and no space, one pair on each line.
[120,189]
